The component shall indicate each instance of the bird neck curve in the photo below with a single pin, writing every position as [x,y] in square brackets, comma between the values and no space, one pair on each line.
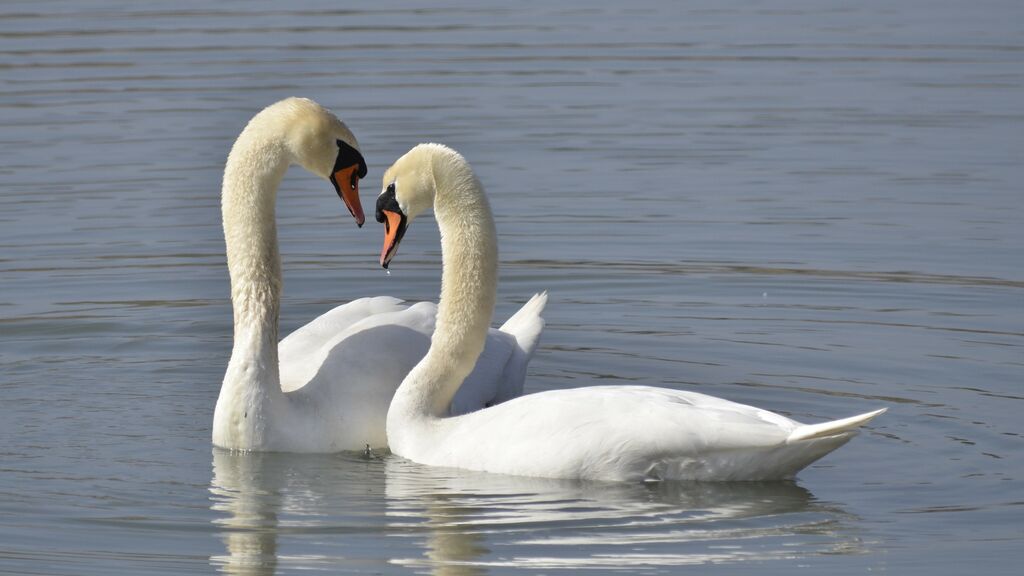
[254,170]
[468,286]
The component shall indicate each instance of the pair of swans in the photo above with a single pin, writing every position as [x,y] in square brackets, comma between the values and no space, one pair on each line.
[327,386]
[458,400]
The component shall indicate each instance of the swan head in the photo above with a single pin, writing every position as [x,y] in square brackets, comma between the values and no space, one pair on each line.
[409,188]
[322,144]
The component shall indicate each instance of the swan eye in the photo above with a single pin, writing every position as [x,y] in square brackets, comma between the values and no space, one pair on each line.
[391,189]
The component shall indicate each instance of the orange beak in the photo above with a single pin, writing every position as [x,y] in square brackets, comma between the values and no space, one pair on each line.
[346,184]
[394,229]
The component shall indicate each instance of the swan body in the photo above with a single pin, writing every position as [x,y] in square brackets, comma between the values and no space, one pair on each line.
[615,433]
[321,388]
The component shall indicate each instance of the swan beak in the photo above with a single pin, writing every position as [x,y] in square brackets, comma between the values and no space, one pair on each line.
[394,229]
[346,184]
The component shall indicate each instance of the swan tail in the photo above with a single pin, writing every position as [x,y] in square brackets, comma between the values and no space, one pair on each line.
[845,426]
[527,324]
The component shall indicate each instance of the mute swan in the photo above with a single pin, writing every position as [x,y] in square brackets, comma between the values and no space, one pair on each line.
[617,433]
[327,393]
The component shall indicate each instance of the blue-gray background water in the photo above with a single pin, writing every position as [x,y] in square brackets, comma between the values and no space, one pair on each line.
[811,207]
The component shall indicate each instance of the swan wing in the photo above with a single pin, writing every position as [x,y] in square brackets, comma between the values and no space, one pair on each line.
[358,371]
[493,379]
[301,353]
[628,433]
[381,337]
[349,362]
[500,371]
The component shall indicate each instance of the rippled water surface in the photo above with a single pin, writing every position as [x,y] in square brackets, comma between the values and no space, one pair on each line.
[812,208]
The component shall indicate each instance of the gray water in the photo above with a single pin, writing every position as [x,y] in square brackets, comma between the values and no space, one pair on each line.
[811,207]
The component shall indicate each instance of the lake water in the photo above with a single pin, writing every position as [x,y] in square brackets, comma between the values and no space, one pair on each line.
[812,208]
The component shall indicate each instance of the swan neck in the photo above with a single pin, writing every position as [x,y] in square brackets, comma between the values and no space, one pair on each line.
[249,196]
[468,285]
[254,170]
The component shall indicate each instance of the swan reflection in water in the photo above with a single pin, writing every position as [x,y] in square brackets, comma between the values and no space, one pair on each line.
[295,510]
[317,511]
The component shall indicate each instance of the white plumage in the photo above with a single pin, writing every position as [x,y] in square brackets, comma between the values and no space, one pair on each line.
[327,386]
[629,433]
[617,433]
